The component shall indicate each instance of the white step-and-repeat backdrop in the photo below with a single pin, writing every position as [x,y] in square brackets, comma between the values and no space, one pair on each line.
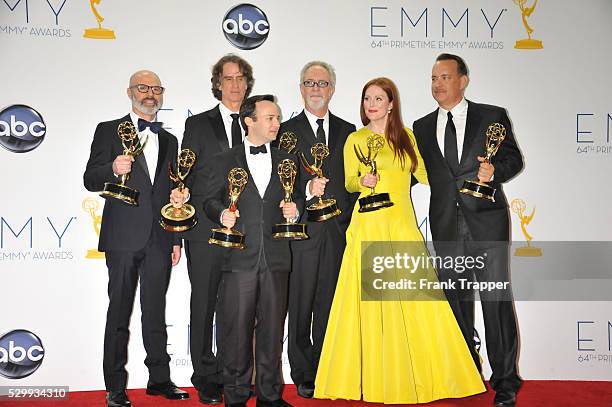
[59,80]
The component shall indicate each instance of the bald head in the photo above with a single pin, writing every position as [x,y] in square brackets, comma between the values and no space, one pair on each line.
[139,76]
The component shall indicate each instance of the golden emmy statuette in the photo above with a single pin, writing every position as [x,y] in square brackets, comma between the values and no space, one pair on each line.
[496,133]
[131,146]
[90,205]
[99,33]
[287,142]
[325,208]
[374,201]
[518,206]
[528,43]
[287,171]
[226,237]
[182,218]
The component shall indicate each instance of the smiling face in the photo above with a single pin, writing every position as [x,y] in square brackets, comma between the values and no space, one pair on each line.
[447,84]
[376,104]
[317,98]
[145,104]
[263,128]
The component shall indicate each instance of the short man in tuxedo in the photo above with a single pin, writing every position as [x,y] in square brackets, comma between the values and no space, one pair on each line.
[451,140]
[136,247]
[316,261]
[207,134]
[255,279]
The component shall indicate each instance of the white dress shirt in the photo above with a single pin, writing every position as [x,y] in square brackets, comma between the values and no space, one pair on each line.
[459,113]
[312,119]
[227,123]
[260,166]
[151,149]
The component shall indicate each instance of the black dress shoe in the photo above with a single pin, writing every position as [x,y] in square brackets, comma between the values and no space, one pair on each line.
[117,398]
[275,403]
[306,390]
[505,399]
[210,393]
[168,390]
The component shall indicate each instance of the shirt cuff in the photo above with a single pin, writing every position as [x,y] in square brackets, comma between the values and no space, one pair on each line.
[307,193]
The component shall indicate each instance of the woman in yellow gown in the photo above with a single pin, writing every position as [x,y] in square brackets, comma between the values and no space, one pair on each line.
[389,351]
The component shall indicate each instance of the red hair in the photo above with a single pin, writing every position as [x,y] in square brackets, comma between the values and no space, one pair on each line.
[395,132]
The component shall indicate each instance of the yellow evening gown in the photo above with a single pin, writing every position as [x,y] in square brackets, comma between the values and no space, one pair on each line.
[394,352]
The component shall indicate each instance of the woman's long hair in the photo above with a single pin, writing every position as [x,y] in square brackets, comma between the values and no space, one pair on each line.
[395,131]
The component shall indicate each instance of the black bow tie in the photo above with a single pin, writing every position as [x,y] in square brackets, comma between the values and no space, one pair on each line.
[256,150]
[155,127]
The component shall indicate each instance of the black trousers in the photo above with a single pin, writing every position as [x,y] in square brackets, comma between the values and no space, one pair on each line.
[497,305]
[312,284]
[204,267]
[152,267]
[247,297]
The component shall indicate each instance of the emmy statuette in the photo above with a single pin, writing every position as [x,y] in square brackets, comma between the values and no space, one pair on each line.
[98,33]
[226,237]
[374,201]
[132,147]
[182,218]
[496,133]
[325,208]
[287,171]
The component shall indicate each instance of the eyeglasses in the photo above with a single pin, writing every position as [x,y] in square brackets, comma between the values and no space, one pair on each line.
[309,83]
[142,88]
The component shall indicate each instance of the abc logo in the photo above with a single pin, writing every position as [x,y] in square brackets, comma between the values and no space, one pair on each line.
[246,26]
[22,128]
[21,353]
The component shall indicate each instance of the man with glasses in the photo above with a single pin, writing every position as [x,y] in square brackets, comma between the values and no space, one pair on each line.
[207,134]
[316,261]
[136,247]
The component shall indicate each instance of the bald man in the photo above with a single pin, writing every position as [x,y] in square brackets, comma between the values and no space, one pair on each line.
[136,247]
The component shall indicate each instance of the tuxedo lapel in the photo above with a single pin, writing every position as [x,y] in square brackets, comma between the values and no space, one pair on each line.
[334,131]
[471,128]
[432,128]
[163,140]
[216,122]
[305,130]
[274,181]
[242,163]
[140,159]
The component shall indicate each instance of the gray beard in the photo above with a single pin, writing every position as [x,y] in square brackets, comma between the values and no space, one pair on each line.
[315,105]
[145,109]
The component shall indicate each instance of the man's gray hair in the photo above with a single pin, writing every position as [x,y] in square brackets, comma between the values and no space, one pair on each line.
[330,70]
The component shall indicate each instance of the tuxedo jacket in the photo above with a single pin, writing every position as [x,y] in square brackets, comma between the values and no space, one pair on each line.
[126,227]
[487,221]
[333,169]
[205,136]
[257,215]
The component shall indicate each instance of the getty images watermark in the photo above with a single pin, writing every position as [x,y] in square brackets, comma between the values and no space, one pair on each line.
[490,271]
[411,271]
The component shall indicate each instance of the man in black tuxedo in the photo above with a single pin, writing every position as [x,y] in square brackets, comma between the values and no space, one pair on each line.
[254,284]
[451,140]
[316,261]
[207,134]
[136,247]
